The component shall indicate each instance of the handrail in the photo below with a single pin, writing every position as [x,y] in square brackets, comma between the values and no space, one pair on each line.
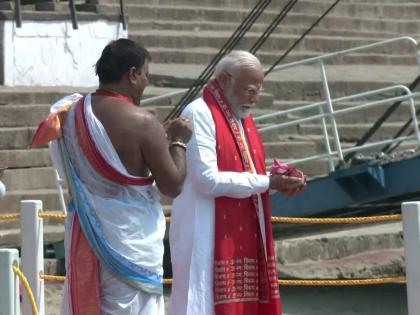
[351,50]
[122,10]
[73,14]
[368,134]
[151,100]
[18,15]
[332,114]
[338,112]
[321,62]
[335,100]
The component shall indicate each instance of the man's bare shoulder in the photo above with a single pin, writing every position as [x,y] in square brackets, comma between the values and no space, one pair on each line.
[144,123]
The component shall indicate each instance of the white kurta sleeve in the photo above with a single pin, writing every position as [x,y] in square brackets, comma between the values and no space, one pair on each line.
[202,161]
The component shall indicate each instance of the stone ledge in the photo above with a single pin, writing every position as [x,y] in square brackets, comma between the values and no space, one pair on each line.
[6,15]
[370,264]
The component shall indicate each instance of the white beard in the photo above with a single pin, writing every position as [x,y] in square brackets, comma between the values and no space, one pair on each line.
[243,111]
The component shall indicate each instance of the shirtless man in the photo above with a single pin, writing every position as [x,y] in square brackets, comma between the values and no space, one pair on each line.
[111,152]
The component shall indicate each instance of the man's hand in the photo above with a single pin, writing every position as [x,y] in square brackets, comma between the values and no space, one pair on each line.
[179,129]
[287,185]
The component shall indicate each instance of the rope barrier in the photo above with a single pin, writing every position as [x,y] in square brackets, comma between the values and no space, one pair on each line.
[349,282]
[53,216]
[41,214]
[9,217]
[52,278]
[28,289]
[342,282]
[371,219]
[378,218]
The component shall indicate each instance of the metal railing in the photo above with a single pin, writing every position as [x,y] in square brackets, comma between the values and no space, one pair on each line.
[332,114]
[320,60]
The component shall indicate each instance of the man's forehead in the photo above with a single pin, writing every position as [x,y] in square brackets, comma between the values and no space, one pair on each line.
[250,76]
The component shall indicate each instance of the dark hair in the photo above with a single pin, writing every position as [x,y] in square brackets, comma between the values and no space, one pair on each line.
[118,57]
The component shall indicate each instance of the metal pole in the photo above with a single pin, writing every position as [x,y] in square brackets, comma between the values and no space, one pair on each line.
[9,282]
[18,14]
[411,230]
[331,111]
[32,252]
[59,182]
[73,14]
[123,19]
[327,141]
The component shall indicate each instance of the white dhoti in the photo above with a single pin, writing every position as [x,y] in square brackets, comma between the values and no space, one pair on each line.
[124,224]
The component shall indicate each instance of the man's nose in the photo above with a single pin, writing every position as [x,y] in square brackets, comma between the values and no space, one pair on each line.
[254,98]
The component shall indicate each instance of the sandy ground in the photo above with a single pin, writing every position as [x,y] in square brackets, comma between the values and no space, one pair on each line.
[53,294]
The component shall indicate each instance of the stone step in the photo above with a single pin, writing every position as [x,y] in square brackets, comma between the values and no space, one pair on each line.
[16,137]
[29,178]
[402,24]
[343,241]
[35,95]
[367,115]
[351,133]
[347,132]
[39,95]
[290,149]
[25,158]
[174,39]
[365,265]
[244,3]
[29,115]
[11,237]
[203,55]
[11,202]
[199,26]
[400,11]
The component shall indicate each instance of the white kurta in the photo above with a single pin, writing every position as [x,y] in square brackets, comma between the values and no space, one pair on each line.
[191,231]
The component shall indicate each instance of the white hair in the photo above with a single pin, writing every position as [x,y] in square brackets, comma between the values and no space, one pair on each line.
[235,60]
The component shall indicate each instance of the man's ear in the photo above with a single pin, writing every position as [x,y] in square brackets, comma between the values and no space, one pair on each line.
[224,79]
[132,77]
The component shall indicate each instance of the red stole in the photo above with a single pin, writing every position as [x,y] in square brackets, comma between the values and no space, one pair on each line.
[245,279]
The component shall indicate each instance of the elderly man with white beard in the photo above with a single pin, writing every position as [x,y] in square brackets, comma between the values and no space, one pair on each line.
[221,242]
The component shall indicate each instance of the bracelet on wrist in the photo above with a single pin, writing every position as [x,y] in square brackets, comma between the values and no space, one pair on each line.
[178,144]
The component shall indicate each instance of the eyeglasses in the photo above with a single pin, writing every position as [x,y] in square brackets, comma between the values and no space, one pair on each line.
[249,90]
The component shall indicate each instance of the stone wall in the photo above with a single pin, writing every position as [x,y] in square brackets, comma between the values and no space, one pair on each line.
[47,51]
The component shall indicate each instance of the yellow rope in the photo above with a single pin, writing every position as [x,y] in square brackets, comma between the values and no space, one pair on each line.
[352,282]
[378,218]
[27,289]
[54,216]
[332,282]
[9,216]
[52,278]
[342,282]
